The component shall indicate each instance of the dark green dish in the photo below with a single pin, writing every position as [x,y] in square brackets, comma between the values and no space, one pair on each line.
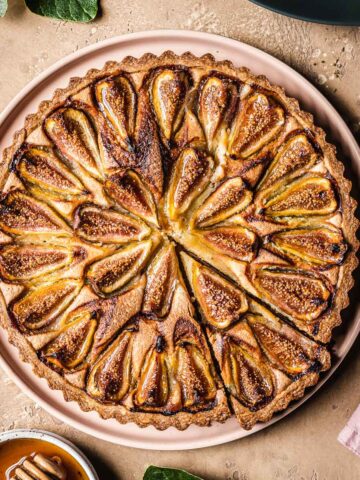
[334,12]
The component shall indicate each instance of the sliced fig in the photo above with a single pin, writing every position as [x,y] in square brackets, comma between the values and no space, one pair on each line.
[235,241]
[100,225]
[308,195]
[22,263]
[161,281]
[153,388]
[21,214]
[256,124]
[221,302]
[167,95]
[191,175]
[117,101]
[110,274]
[216,95]
[249,380]
[74,136]
[110,377]
[297,154]
[284,353]
[129,192]
[229,198]
[296,292]
[320,247]
[44,172]
[38,307]
[70,348]
[194,376]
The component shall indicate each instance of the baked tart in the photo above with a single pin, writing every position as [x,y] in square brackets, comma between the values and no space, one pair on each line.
[177,243]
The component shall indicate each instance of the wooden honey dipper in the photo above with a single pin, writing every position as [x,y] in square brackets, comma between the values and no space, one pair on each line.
[40,467]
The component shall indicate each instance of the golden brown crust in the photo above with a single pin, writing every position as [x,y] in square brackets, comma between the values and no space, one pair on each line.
[220,412]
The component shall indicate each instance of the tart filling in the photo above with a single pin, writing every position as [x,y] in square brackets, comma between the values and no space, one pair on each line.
[177,241]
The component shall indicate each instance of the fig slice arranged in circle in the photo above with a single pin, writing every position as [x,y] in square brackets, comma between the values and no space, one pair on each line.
[48,175]
[110,377]
[229,198]
[298,293]
[191,175]
[74,137]
[247,377]
[235,241]
[21,214]
[221,302]
[296,155]
[214,104]
[108,275]
[23,263]
[162,276]
[103,226]
[117,102]
[153,388]
[320,247]
[305,196]
[168,92]
[70,348]
[129,192]
[39,306]
[256,124]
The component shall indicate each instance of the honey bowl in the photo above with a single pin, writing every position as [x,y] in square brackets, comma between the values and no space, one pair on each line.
[40,454]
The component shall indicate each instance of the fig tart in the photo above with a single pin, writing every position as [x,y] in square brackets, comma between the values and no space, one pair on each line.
[177,243]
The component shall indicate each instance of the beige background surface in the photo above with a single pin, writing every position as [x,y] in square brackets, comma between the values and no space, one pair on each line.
[302,446]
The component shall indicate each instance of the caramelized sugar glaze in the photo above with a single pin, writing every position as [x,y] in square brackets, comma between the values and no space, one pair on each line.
[177,243]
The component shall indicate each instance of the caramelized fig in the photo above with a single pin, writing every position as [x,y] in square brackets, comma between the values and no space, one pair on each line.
[23,263]
[221,302]
[235,241]
[296,292]
[215,97]
[229,198]
[43,172]
[71,346]
[72,133]
[99,225]
[284,353]
[21,214]
[308,195]
[161,281]
[117,101]
[110,377]
[320,247]
[38,307]
[194,376]
[256,124]
[167,95]
[297,154]
[191,175]
[129,192]
[153,388]
[249,380]
[110,274]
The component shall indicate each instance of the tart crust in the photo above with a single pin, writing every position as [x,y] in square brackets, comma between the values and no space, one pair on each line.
[339,298]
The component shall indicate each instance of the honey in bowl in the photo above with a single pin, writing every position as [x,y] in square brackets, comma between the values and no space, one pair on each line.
[14,452]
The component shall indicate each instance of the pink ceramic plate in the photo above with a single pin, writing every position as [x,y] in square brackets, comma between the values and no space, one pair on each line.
[156,42]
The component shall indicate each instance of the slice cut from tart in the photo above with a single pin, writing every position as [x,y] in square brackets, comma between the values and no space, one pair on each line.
[264,363]
[138,163]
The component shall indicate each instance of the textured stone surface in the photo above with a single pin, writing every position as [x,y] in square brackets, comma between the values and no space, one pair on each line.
[302,446]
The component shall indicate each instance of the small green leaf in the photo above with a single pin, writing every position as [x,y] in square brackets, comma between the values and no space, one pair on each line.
[161,473]
[75,10]
[3,7]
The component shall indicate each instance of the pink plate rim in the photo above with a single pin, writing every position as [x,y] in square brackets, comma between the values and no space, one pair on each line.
[137,44]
